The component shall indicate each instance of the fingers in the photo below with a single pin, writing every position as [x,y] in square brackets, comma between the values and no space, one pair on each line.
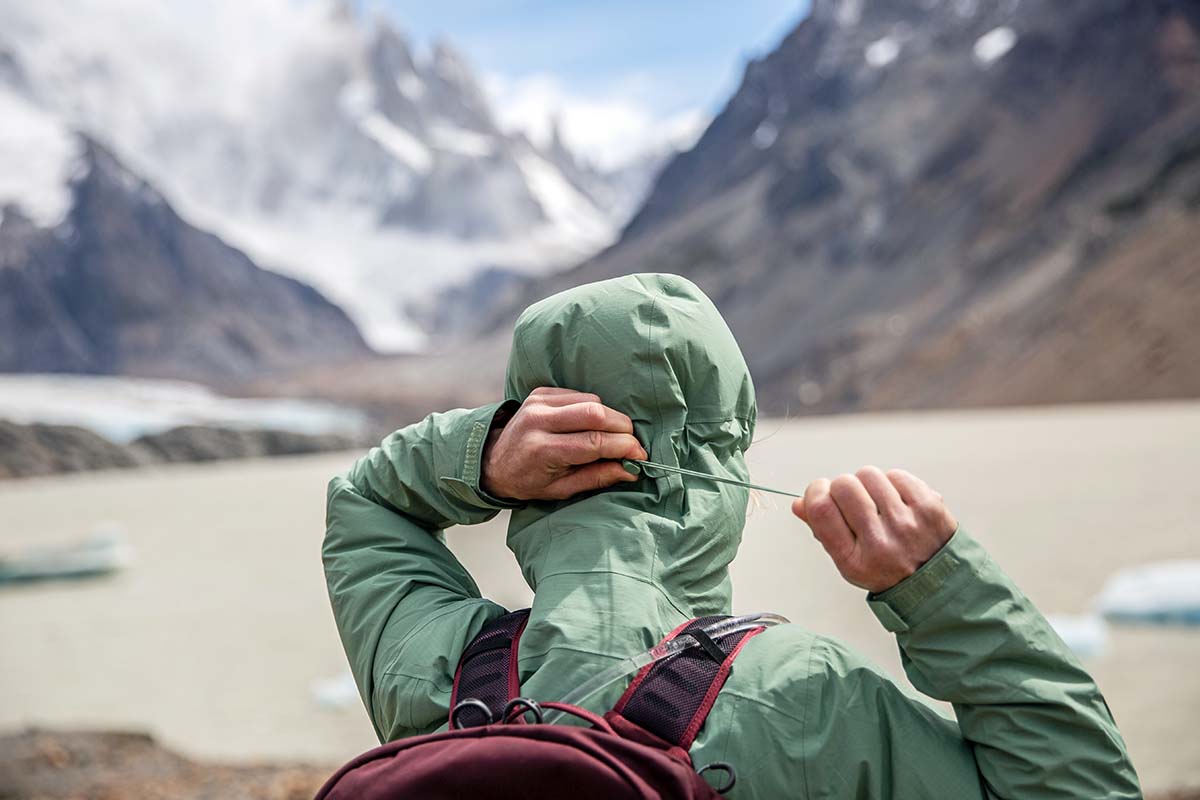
[856,505]
[588,446]
[912,490]
[589,478]
[798,509]
[825,519]
[554,396]
[585,416]
[882,492]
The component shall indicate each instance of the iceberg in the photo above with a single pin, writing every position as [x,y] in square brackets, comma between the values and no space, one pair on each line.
[1165,592]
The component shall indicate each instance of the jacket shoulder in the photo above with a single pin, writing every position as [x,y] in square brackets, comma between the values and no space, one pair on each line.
[778,667]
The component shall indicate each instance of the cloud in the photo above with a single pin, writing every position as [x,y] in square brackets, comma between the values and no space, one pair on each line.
[609,130]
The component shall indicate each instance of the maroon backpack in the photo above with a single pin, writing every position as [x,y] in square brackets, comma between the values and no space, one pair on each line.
[637,750]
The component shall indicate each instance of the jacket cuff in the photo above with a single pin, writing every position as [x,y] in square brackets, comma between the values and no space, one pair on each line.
[916,597]
[465,484]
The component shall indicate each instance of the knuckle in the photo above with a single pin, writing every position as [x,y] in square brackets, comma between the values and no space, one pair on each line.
[594,439]
[593,414]
[535,414]
[842,483]
[896,474]
[821,509]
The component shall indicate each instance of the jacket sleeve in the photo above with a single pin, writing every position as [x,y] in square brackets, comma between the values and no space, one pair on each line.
[404,606]
[1033,719]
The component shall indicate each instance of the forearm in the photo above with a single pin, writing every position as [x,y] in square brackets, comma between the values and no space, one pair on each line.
[388,573]
[1036,720]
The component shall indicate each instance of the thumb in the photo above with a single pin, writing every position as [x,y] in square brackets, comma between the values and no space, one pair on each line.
[798,509]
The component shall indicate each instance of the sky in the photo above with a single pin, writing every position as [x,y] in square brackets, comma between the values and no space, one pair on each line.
[621,76]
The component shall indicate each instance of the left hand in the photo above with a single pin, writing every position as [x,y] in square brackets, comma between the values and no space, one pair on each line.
[558,444]
[877,528]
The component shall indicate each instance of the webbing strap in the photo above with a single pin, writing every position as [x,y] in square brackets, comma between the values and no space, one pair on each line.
[487,672]
[671,698]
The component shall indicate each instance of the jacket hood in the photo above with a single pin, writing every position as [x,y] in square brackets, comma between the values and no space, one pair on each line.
[652,553]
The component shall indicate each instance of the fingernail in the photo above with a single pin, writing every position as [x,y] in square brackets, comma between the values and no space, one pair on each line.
[630,467]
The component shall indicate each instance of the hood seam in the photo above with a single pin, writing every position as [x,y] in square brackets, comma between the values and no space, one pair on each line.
[657,416]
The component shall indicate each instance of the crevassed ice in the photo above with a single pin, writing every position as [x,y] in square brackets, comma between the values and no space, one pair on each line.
[994,44]
[38,156]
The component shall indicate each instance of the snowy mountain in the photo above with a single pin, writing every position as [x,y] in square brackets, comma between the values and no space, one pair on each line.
[323,145]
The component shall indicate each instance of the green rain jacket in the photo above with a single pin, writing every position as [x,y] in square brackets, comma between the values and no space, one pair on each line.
[613,571]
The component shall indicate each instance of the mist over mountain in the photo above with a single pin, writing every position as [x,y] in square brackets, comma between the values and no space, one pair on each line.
[322,144]
[945,202]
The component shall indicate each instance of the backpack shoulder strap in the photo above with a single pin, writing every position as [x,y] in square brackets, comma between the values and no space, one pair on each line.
[487,672]
[671,698]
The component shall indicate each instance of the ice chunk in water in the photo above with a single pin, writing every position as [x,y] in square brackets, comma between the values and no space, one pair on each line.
[1085,634]
[1164,592]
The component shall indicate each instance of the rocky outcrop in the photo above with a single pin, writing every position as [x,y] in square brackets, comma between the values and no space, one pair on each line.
[28,450]
[32,450]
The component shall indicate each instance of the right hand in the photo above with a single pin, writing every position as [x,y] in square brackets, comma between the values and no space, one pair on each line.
[558,444]
[878,528]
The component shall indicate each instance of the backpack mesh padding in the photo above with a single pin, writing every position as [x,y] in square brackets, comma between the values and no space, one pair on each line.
[668,698]
[484,669]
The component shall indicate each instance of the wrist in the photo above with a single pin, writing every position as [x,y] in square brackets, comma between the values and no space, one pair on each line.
[487,473]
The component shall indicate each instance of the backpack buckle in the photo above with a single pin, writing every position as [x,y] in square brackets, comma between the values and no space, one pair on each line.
[470,702]
[521,702]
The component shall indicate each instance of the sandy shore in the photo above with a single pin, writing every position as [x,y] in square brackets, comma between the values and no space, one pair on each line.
[211,640]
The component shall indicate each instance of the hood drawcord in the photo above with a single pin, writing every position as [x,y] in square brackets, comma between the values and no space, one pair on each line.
[634,466]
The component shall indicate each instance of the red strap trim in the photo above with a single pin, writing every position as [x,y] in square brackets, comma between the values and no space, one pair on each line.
[495,684]
[514,677]
[671,698]
[710,697]
[644,671]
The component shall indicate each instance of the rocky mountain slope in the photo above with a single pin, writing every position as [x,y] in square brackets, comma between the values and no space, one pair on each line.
[124,285]
[321,143]
[945,202]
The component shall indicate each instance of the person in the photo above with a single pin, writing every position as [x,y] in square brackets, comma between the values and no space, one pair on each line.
[644,366]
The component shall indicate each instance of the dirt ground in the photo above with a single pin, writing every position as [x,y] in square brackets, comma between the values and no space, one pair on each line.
[62,765]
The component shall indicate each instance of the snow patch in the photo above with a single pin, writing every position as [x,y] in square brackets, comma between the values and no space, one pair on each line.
[123,409]
[765,134]
[397,141]
[462,141]
[411,86]
[564,205]
[994,45]
[38,158]
[849,12]
[882,52]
